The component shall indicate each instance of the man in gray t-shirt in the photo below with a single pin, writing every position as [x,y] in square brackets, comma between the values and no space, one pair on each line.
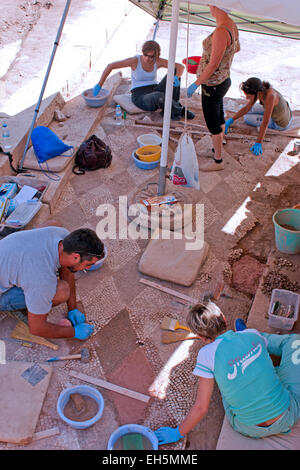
[37,272]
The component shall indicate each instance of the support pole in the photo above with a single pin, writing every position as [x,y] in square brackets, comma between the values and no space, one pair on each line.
[168,98]
[56,42]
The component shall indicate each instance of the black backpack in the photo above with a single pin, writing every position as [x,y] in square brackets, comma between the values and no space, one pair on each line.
[92,154]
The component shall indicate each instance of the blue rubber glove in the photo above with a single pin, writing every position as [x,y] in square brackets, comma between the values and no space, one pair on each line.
[256,149]
[176,82]
[96,89]
[168,435]
[76,316]
[191,89]
[228,123]
[83,331]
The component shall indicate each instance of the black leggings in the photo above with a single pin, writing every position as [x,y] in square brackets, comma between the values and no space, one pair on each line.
[212,105]
[152,97]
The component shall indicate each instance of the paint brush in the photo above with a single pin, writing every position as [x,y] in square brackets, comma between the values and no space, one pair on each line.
[172,325]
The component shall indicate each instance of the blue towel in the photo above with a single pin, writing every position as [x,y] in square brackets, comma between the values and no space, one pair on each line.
[46,144]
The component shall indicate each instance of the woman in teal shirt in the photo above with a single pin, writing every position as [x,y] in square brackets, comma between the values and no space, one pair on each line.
[259,399]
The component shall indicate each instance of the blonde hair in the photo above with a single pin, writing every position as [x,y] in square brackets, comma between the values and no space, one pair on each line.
[206,319]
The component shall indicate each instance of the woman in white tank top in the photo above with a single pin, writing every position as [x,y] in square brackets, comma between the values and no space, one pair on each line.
[146,93]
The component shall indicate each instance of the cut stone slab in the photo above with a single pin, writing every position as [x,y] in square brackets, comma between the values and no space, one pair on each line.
[135,373]
[125,102]
[229,439]
[56,164]
[246,274]
[19,126]
[109,344]
[169,260]
[23,386]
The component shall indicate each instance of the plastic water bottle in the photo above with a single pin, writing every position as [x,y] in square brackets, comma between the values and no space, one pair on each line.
[6,138]
[118,115]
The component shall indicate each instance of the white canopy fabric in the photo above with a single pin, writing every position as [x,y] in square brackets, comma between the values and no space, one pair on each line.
[271,17]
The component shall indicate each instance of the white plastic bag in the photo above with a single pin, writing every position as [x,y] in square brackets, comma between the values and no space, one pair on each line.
[185,169]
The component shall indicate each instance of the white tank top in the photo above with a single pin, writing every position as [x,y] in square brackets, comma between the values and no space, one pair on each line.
[139,77]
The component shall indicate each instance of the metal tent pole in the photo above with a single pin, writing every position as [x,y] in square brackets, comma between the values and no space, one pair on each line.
[168,98]
[56,42]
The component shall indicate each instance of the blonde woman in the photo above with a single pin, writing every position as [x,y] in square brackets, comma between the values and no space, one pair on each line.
[259,400]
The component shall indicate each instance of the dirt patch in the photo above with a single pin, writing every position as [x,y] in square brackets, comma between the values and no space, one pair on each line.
[246,273]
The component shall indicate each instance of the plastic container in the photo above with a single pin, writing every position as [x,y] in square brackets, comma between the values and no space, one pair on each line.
[118,115]
[192,68]
[84,390]
[95,101]
[6,138]
[132,428]
[149,139]
[149,153]
[99,263]
[287,239]
[144,165]
[285,297]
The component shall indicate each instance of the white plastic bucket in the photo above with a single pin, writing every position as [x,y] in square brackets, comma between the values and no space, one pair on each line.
[132,428]
[149,139]
[84,390]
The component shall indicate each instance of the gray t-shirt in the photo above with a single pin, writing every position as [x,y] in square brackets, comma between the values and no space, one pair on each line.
[29,259]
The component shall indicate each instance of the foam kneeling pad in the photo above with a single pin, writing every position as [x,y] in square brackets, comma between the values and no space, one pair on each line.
[125,102]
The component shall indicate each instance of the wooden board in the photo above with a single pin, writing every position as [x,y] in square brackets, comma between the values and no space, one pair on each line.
[21,399]
[110,386]
[21,331]
[187,298]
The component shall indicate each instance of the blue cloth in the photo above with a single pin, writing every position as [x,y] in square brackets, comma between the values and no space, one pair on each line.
[46,144]
[176,82]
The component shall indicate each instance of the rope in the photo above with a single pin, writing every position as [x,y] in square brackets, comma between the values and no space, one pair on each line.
[186,75]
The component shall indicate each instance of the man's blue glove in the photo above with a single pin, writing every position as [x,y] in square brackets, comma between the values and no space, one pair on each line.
[256,149]
[76,316]
[83,331]
[228,123]
[96,89]
[176,82]
[168,435]
[191,89]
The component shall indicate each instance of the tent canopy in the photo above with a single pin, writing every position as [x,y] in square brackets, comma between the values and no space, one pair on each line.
[276,18]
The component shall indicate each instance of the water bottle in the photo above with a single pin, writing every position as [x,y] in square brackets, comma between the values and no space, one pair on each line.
[6,138]
[118,115]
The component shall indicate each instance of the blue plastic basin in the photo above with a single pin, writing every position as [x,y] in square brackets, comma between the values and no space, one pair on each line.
[145,165]
[95,101]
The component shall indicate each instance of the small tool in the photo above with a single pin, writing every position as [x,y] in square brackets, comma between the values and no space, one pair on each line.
[83,356]
[168,337]
[172,325]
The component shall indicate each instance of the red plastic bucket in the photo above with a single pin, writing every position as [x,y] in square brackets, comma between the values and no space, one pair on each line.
[192,68]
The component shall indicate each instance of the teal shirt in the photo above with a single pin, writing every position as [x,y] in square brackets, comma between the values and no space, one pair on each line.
[244,372]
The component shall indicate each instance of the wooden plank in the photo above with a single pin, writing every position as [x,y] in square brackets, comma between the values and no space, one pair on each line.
[187,298]
[110,386]
[198,133]
[47,433]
